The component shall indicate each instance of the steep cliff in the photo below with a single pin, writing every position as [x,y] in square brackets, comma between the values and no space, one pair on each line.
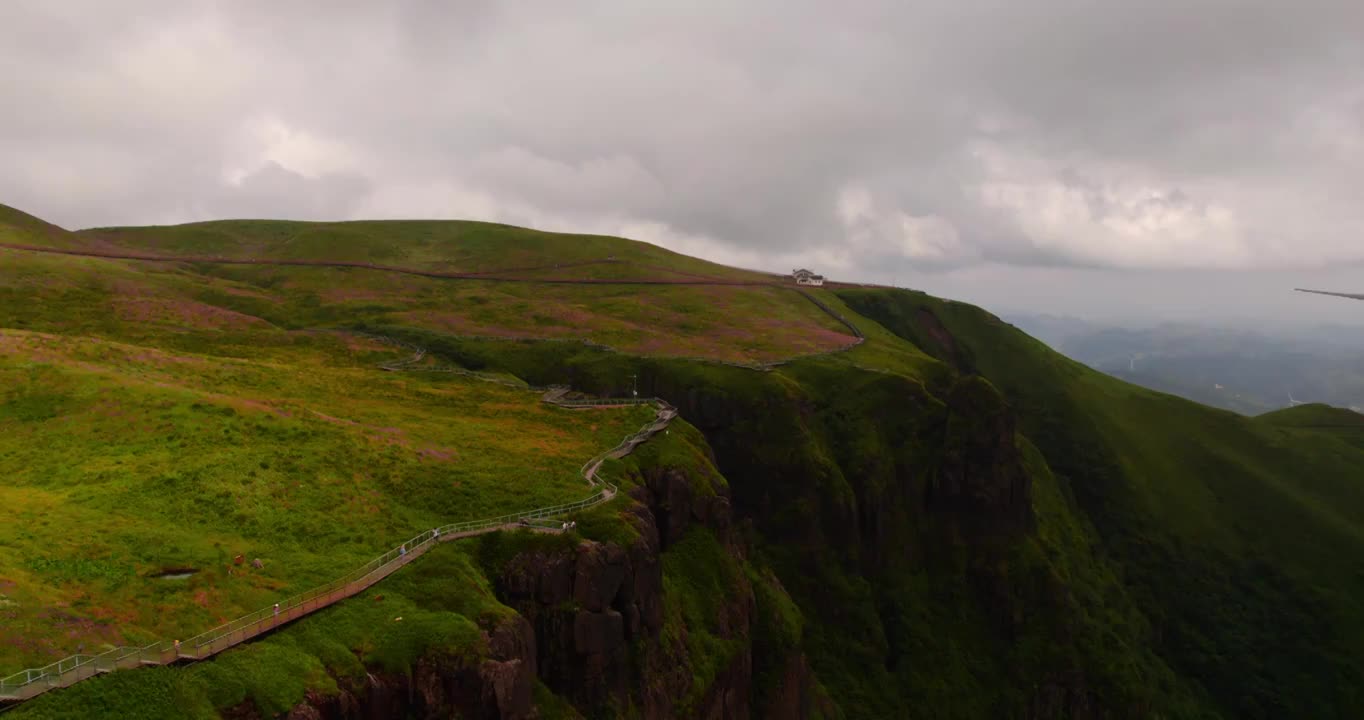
[662,621]
[881,548]
[497,685]
[1211,529]
[937,567]
[661,616]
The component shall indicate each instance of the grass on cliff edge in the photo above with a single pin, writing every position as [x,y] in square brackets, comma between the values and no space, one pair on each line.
[123,461]
[432,609]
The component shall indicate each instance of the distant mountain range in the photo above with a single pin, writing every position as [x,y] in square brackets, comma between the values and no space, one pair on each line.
[1245,371]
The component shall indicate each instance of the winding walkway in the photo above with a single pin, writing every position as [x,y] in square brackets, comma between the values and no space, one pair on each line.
[30,683]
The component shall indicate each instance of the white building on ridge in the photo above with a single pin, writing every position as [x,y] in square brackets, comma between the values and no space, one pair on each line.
[805,277]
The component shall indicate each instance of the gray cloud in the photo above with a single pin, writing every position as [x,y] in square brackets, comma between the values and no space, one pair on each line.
[276,192]
[874,139]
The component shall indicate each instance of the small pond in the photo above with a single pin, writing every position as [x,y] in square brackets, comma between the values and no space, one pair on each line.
[175,573]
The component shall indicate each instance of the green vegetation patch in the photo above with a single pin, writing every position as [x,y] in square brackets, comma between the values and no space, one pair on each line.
[433,610]
[733,323]
[1219,522]
[699,580]
[125,463]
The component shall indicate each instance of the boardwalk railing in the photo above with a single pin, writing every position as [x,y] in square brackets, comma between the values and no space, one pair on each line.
[68,671]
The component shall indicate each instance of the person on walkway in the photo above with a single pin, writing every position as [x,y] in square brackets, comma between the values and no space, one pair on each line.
[177,648]
[276,609]
[403,550]
[435,533]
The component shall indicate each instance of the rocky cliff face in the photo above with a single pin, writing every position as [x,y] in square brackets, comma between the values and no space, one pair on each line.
[495,686]
[598,612]
[902,513]
[593,625]
[846,479]
[980,486]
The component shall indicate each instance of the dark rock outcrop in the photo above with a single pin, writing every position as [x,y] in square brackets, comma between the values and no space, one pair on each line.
[598,611]
[584,604]
[981,486]
[495,687]
[591,626]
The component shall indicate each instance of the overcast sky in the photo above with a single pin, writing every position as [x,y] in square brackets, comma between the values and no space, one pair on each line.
[1165,159]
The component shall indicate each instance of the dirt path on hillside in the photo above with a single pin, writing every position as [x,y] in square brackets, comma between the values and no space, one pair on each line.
[502,275]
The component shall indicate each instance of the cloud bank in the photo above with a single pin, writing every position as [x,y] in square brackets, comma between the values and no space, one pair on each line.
[871,138]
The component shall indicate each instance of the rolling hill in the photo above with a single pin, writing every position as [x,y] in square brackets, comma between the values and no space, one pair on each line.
[875,504]
[756,323]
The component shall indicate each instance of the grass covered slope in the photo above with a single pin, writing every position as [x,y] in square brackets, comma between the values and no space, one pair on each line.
[123,461]
[431,629]
[1344,425]
[438,608]
[1241,539]
[447,245]
[20,228]
[171,416]
[745,324]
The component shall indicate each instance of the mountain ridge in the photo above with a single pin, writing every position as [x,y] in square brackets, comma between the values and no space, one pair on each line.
[947,519]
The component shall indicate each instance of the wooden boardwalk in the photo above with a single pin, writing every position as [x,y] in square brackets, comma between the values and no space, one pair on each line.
[29,683]
[167,653]
[69,671]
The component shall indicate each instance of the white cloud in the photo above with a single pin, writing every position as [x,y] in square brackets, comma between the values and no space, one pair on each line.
[604,184]
[931,238]
[434,200]
[266,139]
[872,231]
[1107,216]
[854,206]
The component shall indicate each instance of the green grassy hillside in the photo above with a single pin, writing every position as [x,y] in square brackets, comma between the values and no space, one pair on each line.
[442,613]
[1340,423]
[120,298]
[449,245]
[967,523]
[168,417]
[124,461]
[435,609]
[20,228]
[1241,539]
